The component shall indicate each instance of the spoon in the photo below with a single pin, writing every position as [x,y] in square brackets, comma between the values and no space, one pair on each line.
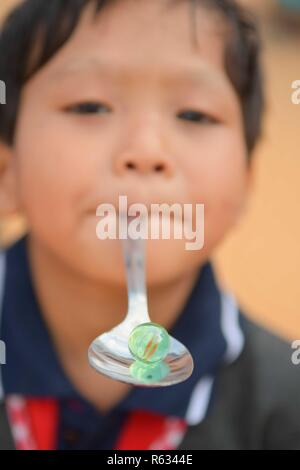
[109,353]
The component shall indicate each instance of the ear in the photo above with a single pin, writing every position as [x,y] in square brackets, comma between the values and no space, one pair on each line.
[243,205]
[9,204]
[249,186]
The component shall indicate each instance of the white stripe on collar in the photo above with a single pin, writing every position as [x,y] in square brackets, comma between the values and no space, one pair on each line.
[231,328]
[234,337]
[2,283]
[199,401]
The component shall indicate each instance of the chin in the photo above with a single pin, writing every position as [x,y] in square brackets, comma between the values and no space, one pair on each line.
[101,261]
[169,260]
[166,261]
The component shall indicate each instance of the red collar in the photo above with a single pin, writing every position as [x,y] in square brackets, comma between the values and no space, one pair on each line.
[34,423]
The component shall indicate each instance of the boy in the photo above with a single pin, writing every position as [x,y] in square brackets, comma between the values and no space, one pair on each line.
[140,99]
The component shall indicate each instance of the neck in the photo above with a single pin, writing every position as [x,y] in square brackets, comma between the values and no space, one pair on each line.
[77,310]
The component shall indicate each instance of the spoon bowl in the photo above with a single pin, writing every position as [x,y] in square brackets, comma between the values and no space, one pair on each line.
[109,353]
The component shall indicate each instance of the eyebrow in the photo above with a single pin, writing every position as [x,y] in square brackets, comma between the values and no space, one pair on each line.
[183,73]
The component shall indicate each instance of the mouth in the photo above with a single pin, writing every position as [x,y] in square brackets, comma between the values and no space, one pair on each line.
[131,209]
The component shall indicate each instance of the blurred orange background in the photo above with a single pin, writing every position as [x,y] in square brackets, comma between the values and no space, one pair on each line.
[260,260]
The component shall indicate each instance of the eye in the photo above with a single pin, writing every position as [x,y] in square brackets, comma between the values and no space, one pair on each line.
[88,107]
[197,117]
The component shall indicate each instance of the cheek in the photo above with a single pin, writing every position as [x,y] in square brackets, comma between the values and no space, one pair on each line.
[218,179]
[51,170]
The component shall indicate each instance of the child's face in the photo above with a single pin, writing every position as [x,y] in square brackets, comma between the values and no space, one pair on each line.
[137,63]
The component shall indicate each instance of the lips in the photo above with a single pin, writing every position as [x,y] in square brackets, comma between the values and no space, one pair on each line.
[125,208]
[129,200]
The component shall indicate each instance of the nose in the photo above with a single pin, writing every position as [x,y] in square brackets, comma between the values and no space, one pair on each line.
[145,155]
[142,163]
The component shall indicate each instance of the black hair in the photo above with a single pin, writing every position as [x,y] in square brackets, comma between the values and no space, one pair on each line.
[36,29]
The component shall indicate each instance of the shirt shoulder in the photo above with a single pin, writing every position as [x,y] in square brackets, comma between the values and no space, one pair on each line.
[256,399]
[278,378]
[273,394]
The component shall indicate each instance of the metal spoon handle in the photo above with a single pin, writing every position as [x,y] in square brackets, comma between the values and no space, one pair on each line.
[134,257]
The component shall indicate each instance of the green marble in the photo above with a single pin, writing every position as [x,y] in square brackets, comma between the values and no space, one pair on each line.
[149,343]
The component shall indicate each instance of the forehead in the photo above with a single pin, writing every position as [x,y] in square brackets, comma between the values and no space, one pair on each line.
[145,37]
